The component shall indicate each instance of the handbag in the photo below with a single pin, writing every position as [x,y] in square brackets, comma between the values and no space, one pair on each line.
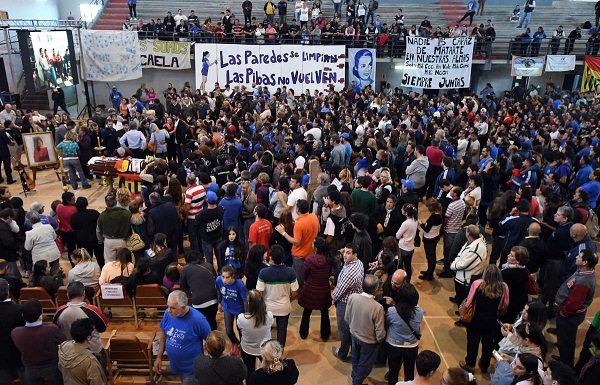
[418,238]
[466,312]
[135,242]
[532,287]
[151,147]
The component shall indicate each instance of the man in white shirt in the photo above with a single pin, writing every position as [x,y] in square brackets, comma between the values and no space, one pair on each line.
[135,141]
[297,193]
[180,16]
[8,114]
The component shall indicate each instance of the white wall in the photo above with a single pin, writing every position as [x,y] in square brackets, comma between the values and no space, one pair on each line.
[30,9]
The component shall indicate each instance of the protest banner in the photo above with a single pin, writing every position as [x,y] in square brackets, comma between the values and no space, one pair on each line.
[438,63]
[172,55]
[362,66]
[274,66]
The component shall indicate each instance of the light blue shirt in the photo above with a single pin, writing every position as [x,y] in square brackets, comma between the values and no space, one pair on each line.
[134,139]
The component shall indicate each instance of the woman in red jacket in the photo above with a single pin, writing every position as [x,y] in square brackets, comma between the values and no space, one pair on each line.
[316,291]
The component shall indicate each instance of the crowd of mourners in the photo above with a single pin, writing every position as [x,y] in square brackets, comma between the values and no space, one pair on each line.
[322,197]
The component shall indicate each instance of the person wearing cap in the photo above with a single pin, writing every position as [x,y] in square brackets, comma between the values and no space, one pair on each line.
[115,97]
[210,226]
[408,194]
[169,23]
[345,138]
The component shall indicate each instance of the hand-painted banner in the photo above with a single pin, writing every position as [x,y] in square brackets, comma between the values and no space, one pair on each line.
[272,66]
[560,63]
[591,76]
[170,55]
[438,63]
[110,56]
[527,66]
[362,63]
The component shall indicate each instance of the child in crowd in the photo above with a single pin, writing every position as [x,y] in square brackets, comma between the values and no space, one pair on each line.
[231,292]
[516,13]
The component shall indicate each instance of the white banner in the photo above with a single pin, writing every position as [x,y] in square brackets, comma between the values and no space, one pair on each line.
[110,56]
[295,66]
[560,63]
[438,63]
[362,62]
[170,55]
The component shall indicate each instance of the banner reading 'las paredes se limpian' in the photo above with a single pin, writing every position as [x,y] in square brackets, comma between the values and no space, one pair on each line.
[272,66]
[438,63]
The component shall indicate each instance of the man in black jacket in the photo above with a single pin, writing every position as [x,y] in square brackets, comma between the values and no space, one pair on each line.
[58,97]
[10,318]
[163,217]
[84,223]
[180,137]
[5,141]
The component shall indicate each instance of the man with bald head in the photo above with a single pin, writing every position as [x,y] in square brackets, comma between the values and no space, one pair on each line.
[391,286]
[581,241]
[8,114]
[536,247]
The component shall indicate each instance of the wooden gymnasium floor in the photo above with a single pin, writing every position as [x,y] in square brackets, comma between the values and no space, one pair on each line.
[313,357]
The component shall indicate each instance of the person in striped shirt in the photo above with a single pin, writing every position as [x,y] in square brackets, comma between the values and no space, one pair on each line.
[349,282]
[195,196]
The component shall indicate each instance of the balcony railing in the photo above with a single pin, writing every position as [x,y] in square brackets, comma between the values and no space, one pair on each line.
[395,47]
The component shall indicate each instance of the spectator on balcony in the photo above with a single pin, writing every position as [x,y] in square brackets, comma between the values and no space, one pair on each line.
[337,8]
[293,32]
[228,25]
[182,30]
[169,23]
[471,9]
[556,36]
[316,35]
[529,7]
[525,41]
[282,10]
[304,15]
[159,28]
[361,12]
[570,42]
[127,26]
[425,23]
[195,32]
[180,16]
[350,11]
[132,11]
[593,44]
[537,41]
[371,9]
[399,18]
[192,18]
[269,9]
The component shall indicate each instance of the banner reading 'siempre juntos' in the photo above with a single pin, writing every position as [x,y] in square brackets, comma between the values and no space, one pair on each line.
[438,63]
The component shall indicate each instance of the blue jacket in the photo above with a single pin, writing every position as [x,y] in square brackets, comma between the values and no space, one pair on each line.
[527,176]
[233,211]
[516,230]
[398,332]
[583,175]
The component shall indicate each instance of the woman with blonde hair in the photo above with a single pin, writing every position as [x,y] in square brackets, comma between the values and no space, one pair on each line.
[255,326]
[216,367]
[490,297]
[85,271]
[274,369]
[158,138]
[123,198]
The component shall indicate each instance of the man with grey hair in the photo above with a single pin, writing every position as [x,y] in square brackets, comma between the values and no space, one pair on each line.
[366,319]
[557,248]
[41,241]
[183,331]
[469,263]
[8,113]
[38,207]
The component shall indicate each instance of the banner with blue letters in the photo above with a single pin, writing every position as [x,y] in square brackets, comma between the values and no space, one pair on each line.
[438,63]
[273,66]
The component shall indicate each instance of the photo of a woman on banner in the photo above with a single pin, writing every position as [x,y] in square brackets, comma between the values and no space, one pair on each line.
[205,64]
[363,68]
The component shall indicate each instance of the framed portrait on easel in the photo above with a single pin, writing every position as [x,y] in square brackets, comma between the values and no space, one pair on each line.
[39,149]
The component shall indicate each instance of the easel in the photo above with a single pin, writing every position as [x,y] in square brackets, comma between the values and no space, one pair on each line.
[25,178]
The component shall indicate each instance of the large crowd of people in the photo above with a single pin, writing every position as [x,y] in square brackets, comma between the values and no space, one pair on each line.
[316,197]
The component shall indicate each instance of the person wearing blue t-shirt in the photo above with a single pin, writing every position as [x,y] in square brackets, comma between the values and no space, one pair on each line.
[115,97]
[231,292]
[592,188]
[183,331]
